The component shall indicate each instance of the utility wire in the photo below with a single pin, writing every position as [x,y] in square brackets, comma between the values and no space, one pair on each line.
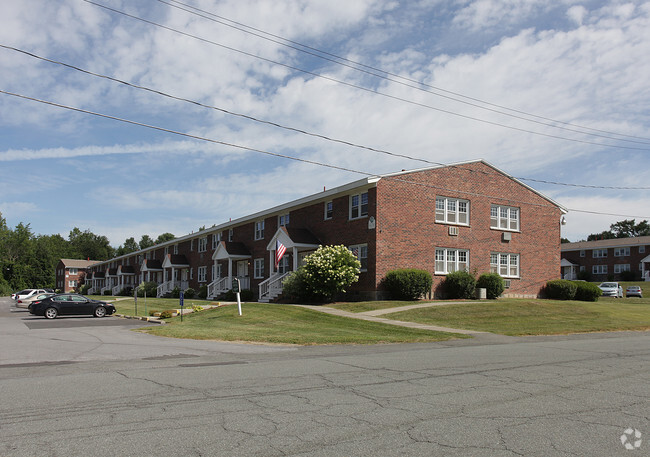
[274,124]
[393,77]
[285,156]
[373,91]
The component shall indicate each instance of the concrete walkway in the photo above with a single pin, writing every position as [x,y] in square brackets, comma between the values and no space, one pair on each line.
[373,316]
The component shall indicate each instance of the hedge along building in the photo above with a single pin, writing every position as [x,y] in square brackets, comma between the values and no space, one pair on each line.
[466,216]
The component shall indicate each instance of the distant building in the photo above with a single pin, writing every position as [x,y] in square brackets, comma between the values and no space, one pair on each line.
[467,216]
[607,259]
[71,273]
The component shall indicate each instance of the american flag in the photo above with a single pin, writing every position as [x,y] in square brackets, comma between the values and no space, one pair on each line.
[280,249]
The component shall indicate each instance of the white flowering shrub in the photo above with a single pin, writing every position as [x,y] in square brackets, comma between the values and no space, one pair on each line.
[326,272]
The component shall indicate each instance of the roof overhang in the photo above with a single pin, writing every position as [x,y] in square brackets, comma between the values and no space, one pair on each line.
[231,250]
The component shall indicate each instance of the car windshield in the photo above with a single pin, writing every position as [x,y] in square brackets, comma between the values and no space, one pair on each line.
[608,284]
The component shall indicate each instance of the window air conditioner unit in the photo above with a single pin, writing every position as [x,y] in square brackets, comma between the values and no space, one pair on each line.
[507,283]
[453,231]
[506,236]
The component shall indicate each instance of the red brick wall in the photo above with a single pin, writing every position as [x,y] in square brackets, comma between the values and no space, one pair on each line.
[407,234]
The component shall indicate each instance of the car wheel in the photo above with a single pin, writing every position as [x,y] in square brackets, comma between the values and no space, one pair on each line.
[100,311]
[51,313]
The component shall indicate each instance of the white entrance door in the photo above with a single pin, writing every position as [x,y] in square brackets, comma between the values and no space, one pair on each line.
[242,269]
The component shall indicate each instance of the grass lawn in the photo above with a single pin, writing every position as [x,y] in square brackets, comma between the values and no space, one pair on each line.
[361,307]
[289,325]
[518,317]
[126,305]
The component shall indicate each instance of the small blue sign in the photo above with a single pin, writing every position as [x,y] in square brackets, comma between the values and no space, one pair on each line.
[181,296]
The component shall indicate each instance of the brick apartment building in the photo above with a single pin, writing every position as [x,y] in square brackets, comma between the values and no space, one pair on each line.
[607,259]
[70,274]
[467,216]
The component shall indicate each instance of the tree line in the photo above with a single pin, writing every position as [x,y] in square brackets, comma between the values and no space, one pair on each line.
[621,229]
[28,260]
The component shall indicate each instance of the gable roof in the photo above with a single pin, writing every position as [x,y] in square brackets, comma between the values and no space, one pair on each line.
[76,263]
[603,244]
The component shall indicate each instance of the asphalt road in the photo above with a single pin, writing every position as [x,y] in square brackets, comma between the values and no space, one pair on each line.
[93,387]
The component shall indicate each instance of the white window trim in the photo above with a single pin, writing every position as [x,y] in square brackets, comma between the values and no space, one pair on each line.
[202,274]
[602,253]
[284,220]
[329,202]
[446,262]
[622,252]
[360,251]
[203,244]
[495,222]
[595,269]
[621,267]
[446,212]
[258,269]
[259,230]
[230,234]
[359,206]
[496,267]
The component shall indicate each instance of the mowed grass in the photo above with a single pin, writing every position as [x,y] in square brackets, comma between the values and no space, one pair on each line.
[287,324]
[517,317]
[125,305]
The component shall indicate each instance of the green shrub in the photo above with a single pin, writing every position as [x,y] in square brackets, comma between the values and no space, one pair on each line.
[628,275]
[587,291]
[460,284]
[407,283]
[107,292]
[561,289]
[203,292]
[584,275]
[126,292]
[197,308]
[230,296]
[293,286]
[176,292]
[83,290]
[492,283]
[150,287]
[329,271]
[189,293]
[166,314]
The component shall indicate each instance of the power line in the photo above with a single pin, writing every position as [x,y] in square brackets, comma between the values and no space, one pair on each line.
[373,91]
[274,124]
[284,156]
[393,77]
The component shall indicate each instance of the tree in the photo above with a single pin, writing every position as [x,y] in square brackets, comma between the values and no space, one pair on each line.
[328,271]
[146,242]
[87,245]
[164,237]
[627,228]
[129,246]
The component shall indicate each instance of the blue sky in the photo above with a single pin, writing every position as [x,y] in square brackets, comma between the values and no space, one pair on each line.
[572,75]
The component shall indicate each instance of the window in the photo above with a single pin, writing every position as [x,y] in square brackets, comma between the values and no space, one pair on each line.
[599,253]
[259,268]
[450,260]
[360,251]
[619,268]
[166,250]
[329,210]
[259,230]
[202,273]
[72,283]
[148,255]
[599,269]
[504,218]
[216,238]
[506,265]
[582,253]
[283,220]
[73,271]
[358,205]
[230,235]
[283,266]
[176,248]
[192,244]
[203,244]
[622,252]
[452,211]
[191,273]
[582,268]
[641,249]
[216,272]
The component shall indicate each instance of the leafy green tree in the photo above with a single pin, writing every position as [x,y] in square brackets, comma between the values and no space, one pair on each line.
[87,245]
[129,246]
[164,237]
[329,271]
[146,242]
[627,228]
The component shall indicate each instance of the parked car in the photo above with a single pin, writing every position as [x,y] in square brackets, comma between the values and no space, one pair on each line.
[633,291]
[66,304]
[25,302]
[611,289]
[27,293]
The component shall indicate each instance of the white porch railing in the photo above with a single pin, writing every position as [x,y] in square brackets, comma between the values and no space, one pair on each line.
[570,276]
[223,285]
[646,276]
[117,289]
[91,291]
[272,287]
[105,288]
[167,286]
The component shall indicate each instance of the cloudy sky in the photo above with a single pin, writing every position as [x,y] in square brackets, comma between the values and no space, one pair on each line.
[554,93]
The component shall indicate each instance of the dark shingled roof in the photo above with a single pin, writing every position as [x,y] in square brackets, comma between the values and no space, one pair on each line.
[302,236]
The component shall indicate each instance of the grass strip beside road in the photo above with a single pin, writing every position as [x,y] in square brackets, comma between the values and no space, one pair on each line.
[518,317]
[286,324]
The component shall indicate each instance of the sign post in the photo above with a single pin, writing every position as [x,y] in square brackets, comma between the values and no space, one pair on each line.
[181,297]
[135,299]
[237,292]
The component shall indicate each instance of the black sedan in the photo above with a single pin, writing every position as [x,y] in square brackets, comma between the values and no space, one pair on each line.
[62,304]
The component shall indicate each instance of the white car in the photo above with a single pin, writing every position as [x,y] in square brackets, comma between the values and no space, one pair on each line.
[25,302]
[611,289]
[27,293]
